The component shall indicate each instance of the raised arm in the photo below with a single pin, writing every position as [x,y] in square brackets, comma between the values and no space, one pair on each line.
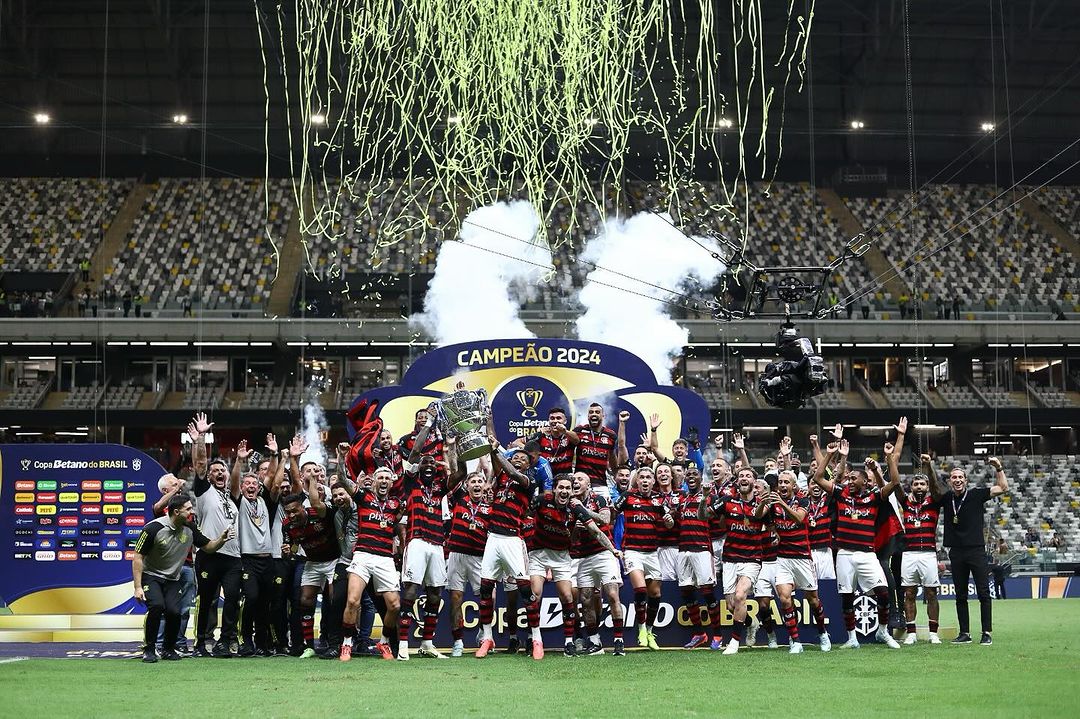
[819,456]
[621,455]
[198,450]
[842,467]
[783,457]
[421,437]
[502,463]
[738,441]
[892,458]
[272,467]
[1001,484]
[901,430]
[936,490]
[297,447]
[873,467]
[654,442]
[315,497]
[819,474]
[239,467]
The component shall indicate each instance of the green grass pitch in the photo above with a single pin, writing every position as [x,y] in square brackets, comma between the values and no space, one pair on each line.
[1033,669]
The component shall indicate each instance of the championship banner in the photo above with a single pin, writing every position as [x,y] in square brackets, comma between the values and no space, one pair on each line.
[72,513]
[525,378]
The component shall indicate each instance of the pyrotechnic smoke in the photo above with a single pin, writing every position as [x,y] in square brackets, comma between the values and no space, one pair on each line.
[626,313]
[314,424]
[481,279]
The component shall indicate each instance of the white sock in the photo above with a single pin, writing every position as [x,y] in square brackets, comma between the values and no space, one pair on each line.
[346,642]
[595,638]
[485,633]
[534,634]
[851,637]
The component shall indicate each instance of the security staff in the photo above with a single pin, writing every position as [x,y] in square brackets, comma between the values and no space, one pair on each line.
[962,513]
[160,552]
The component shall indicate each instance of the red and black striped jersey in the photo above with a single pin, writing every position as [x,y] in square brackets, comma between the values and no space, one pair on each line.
[694,535]
[433,445]
[920,524]
[554,523]
[423,507]
[643,518]
[509,507]
[586,544]
[376,523]
[557,451]
[468,526]
[669,536]
[317,536]
[745,532]
[593,453]
[717,524]
[528,531]
[794,536]
[770,550]
[856,518]
[819,519]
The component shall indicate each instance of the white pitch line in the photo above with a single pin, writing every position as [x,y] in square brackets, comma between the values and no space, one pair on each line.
[12,660]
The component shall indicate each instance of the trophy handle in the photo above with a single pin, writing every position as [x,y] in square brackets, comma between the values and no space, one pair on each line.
[484,400]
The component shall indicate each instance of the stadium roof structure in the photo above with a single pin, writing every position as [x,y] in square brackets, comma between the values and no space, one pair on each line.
[968,69]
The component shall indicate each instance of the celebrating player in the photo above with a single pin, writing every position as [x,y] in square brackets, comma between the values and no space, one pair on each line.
[696,569]
[468,535]
[597,567]
[918,566]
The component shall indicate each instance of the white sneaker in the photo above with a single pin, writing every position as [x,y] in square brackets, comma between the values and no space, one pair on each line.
[883,636]
[751,632]
[934,638]
[403,652]
[459,648]
[772,641]
[910,639]
[732,647]
[427,649]
[796,648]
[851,643]
[825,642]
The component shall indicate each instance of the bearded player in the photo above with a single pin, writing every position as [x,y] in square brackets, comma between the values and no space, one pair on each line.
[696,569]
[597,568]
[504,552]
[742,550]
[377,516]
[787,514]
[645,515]
[858,501]
[918,565]
[556,514]
[469,514]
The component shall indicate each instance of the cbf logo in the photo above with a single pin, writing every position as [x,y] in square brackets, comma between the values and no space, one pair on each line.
[136,464]
[25,464]
[866,621]
[530,400]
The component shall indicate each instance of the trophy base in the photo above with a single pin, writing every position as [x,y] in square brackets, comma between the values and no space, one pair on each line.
[473,448]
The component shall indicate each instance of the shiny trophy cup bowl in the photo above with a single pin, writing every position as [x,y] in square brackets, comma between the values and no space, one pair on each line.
[463,415]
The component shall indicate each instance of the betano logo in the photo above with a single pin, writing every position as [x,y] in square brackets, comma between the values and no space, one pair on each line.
[25,485]
[67,556]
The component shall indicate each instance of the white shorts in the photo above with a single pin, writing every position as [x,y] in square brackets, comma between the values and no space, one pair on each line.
[424,563]
[798,572]
[646,562]
[919,569]
[575,566]
[734,570]
[669,563]
[766,580]
[858,570]
[718,556]
[318,574]
[462,569]
[598,569]
[823,563]
[696,569]
[504,557]
[376,570]
[541,560]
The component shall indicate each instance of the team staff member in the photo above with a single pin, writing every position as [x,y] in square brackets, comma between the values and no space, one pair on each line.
[215,505]
[160,552]
[962,512]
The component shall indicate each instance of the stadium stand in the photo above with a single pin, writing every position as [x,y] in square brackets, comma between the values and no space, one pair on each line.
[902,396]
[27,396]
[1000,262]
[998,397]
[204,239]
[83,397]
[1063,203]
[53,224]
[208,397]
[959,397]
[126,397]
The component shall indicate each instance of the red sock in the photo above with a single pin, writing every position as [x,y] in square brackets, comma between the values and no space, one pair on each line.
[430,622]
[792,624]
[307,626]
[569,620]
[819,617]
[458,632]
[714,617]
[403,623]
[933,626]
[849,611]
[617,630]
[487,601]
[882,596]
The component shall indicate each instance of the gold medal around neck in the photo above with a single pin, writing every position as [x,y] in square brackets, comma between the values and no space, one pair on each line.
[956,520]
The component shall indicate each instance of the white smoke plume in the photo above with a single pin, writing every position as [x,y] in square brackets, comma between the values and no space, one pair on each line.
[647,247]
[312,428]
[480,280]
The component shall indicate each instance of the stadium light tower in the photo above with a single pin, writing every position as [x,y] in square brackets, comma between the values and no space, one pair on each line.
[42,118]
[857,124]
[987,127]
[180,119]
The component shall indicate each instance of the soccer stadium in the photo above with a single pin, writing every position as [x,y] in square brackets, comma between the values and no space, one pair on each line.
[700,358]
